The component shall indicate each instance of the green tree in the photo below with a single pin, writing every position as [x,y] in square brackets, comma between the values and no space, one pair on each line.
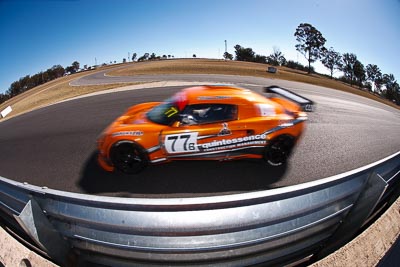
[3,98]
[260,59]
[374,75]
[20,86]
[276,58]
[25,83]
[152,56]
[359,73]
[310,43]
[134,55]
[244,54]
[55,72]
[70,69]
[332,60]
[297,66]
[75,65]
[14,89]
[144,57]
[349,60]
[391,86]
[228,56]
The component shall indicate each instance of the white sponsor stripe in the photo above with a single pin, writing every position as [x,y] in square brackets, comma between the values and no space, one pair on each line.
[215,152]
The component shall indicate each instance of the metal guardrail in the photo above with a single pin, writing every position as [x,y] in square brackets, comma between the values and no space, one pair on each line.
[273,227]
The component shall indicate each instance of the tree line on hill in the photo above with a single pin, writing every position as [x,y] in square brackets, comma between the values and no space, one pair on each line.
[28,82]
[310,43]
[147,56]
[276,58]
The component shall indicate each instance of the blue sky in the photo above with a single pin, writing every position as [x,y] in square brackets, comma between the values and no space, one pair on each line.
[35,35]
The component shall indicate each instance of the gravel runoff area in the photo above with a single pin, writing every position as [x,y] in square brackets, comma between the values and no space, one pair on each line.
[366,250]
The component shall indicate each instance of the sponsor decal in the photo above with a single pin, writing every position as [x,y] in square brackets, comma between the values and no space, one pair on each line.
[259,139]
[128,133]
[171,112]
[225,130]
[213,97]
[181,143]
[187,143]
[308,107]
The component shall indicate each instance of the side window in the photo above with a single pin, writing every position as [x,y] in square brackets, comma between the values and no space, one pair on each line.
[209,113]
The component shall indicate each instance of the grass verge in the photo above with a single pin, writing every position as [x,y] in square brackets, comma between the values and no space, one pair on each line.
[52,93]
[59,89]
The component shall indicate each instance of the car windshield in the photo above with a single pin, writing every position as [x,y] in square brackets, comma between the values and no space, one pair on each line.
[164,113]
[167,112]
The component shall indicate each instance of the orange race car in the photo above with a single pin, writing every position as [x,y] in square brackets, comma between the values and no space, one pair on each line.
[205,123]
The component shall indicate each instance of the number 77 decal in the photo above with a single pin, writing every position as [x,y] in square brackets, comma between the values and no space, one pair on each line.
[181,143]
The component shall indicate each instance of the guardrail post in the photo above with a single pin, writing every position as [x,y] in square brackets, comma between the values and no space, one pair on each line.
[38,227]
[369,197]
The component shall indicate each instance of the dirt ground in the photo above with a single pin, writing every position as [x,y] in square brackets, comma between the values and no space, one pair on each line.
[368,249]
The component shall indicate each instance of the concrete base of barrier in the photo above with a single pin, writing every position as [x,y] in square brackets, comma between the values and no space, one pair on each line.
[365,250]
[13,253]
[368,248]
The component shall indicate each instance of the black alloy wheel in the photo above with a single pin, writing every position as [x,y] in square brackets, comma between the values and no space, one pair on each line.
[278,150]
[128,157]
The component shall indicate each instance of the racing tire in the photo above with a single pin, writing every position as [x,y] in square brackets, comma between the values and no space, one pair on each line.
[128,157]
[278,150]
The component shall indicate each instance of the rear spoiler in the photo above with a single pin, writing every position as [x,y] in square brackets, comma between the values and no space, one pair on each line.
[305,103]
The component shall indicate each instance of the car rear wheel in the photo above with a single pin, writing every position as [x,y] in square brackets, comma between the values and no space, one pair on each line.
[128,157]
[278,150]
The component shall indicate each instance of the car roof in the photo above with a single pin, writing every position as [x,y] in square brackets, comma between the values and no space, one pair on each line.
[222,94]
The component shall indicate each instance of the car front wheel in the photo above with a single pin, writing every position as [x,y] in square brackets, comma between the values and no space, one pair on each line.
[128,157]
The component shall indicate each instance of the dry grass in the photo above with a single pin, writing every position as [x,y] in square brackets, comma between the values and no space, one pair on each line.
[59,89]
[53,92]
[49,86]
[59,93]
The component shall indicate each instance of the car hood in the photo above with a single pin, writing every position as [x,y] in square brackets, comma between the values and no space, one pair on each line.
[135,117]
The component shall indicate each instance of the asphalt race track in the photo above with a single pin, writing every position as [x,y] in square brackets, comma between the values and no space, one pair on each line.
[56,146]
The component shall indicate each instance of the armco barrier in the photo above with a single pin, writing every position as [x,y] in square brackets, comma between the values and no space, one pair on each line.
[273,227]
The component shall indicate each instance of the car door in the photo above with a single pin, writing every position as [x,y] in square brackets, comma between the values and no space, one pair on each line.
[204,131]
